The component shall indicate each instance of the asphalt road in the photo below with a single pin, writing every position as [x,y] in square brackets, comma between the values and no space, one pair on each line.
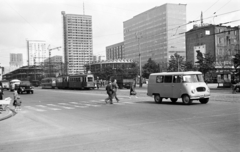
[76,120]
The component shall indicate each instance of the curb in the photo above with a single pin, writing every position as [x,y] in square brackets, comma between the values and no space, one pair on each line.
[9,114]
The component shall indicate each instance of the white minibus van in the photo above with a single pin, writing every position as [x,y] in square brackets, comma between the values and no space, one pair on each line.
[186,85]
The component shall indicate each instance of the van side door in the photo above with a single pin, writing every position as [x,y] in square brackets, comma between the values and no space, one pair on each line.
[177,86]
[167,86]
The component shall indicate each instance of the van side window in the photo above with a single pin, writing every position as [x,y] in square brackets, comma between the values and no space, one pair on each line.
[177,79]
[168,79]
[159,79]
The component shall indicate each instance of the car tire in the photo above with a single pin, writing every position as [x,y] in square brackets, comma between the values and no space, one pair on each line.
[186,100]
[157,98]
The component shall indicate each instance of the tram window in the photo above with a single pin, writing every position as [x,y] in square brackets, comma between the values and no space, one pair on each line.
[90,79]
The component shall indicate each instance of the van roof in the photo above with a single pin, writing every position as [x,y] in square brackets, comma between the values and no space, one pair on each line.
[177,73]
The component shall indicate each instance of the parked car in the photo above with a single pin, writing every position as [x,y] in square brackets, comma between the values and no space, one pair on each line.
[25,86]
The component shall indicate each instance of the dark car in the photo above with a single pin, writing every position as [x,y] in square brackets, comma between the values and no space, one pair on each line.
[25,86]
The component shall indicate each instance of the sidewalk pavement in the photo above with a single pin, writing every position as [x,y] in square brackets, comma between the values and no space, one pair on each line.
[5,114]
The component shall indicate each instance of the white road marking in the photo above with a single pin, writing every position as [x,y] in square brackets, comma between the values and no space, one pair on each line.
[42,106]
[60,106]
[36,109]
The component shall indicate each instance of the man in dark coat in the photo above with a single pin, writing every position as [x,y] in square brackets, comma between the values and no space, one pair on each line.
[109,90]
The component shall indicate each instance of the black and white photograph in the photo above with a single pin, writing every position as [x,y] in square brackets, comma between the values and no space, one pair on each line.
[119,76]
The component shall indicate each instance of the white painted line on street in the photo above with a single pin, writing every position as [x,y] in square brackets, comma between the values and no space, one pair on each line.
[60,106]
[42,106]
[36,109]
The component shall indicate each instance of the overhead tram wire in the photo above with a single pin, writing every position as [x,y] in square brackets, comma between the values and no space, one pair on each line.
[222,7]
[20,15]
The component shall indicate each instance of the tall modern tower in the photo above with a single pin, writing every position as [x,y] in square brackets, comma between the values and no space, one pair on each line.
[77,36]
[156,34]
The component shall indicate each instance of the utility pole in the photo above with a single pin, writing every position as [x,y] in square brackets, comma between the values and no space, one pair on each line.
[49,61]
[138,36]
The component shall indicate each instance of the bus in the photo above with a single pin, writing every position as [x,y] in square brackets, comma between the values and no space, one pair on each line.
[13,84]
[186,85]
[48,83]
[81,81]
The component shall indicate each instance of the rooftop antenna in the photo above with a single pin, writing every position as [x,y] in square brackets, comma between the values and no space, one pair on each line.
[201,18]
[83,9]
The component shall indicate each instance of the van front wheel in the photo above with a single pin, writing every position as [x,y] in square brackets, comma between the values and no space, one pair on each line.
[186,100]
[157,98]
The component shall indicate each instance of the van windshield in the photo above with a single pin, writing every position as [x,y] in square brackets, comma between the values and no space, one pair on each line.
[193,78]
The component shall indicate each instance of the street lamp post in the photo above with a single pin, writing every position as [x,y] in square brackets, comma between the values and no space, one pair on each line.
[138,36]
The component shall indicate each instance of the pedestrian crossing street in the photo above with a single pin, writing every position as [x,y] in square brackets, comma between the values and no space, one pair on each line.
[75,105]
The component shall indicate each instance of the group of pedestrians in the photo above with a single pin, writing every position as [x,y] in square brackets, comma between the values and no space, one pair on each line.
[112,88]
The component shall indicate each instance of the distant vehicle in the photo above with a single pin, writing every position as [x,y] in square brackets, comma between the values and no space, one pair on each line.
[13,84]
[48,83]
[123,82]
[186,85]
[25,87]
[62,82]
[35,83]
[80,81]
[5,84]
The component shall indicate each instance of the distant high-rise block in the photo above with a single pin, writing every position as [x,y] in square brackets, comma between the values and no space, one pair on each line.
[77,35]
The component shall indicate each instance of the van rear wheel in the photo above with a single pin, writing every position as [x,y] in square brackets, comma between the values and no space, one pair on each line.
[157,98]
[174,100]
[186,100]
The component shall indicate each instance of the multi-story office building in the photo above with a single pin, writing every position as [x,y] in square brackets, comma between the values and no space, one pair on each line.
[156,34]
[36,52]
[115,51]
[77,33]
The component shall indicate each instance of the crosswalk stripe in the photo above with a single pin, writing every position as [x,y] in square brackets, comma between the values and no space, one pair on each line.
[36,109]
[60,106]
[42,106]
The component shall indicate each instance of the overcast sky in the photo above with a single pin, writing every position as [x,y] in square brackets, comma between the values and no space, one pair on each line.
[42,20]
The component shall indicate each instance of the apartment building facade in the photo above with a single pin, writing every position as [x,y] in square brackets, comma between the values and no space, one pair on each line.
[222,42]
[115,51]
[156,34]
[77,35]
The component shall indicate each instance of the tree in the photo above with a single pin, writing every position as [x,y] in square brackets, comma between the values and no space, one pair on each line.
[176,63]
[189,66]
[236,63]
[206,64]
[149,67]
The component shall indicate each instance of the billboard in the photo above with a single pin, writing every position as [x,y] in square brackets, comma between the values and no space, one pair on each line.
[199,53]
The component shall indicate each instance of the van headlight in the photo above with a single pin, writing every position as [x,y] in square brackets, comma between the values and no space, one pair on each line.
[193,91]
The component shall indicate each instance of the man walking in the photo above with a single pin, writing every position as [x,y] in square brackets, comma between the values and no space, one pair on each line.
[109,90]
[115,87]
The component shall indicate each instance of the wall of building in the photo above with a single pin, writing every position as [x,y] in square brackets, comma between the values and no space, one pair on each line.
[37,51]
[154,33]
[115,51]
[77,32]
